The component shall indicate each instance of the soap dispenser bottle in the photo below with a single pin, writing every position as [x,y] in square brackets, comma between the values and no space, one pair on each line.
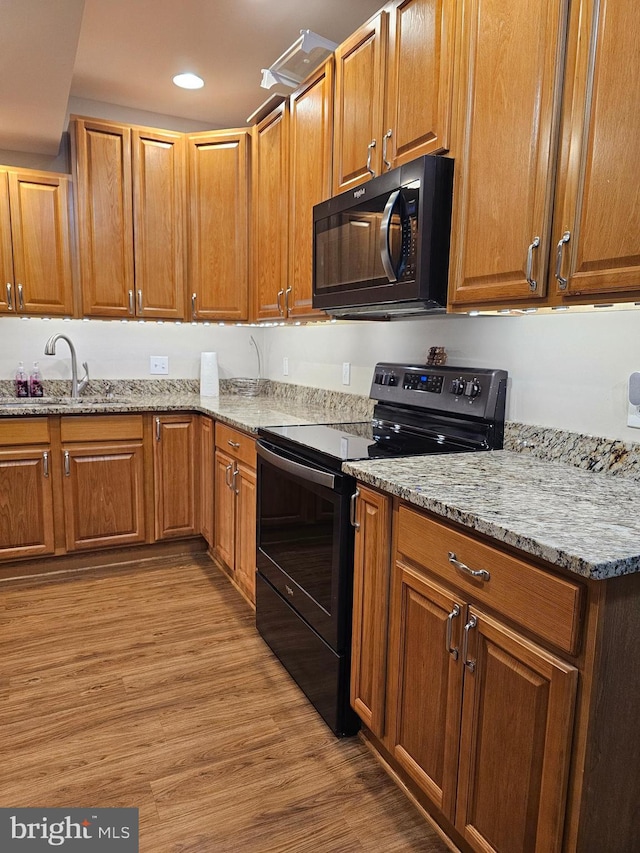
[22,383]
[35,381]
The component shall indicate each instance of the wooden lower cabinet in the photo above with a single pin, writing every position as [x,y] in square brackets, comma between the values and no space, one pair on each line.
[175,476]
[370,606]
[27,526]
[472,712]
[207,479]
[103,488]
[235,506]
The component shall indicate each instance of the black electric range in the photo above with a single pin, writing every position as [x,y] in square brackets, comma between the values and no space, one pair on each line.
[306,511]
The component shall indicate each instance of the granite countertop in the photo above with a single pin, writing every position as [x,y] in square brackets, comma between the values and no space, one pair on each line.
[585,522]
[244,413]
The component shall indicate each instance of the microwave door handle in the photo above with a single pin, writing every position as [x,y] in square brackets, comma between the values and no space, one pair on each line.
[385,228]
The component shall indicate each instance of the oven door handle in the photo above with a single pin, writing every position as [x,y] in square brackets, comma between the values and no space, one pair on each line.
[312,475]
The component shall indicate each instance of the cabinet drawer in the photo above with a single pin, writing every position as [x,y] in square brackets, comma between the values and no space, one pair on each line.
[545,603]
[101,427]
[21,431]
[237,444]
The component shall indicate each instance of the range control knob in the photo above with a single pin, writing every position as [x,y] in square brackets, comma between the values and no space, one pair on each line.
[472,388]
[393,380]
[457,386]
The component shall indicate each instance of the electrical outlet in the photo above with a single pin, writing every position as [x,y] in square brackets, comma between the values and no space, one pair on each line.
[159,364]
[346,373]
[633,416]
[285,366]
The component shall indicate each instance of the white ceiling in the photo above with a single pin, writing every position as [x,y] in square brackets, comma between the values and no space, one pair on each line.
[125,52]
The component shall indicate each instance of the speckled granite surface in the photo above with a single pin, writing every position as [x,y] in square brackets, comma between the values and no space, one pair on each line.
[585,522]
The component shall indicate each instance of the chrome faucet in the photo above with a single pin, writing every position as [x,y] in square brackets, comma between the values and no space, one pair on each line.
[76,387]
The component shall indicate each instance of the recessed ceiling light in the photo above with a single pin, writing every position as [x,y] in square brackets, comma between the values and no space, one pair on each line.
[188,81]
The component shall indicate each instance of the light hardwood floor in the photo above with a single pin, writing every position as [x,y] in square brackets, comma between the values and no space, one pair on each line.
[149,686]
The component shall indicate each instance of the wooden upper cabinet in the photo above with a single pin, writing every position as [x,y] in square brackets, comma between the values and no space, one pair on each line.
[419,79]
[102,162]
[394,85]
[159,177]
[310,159]
[130,183]
[35,243]
[218,167]
[270,175]
[359,104]
[508,79]
[598,202]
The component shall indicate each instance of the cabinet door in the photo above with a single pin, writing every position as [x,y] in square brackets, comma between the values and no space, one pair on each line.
[26,504]
[420,79]
[508,86]
[41,242]
[370,608]
[159,176]
[310,147]
[245,485]
[206,464]
[225,509]
[218,225]
[105,217]
[270,171]
[515,742]
[598,203]
[175,476]
[103,495]
[7,298]
[425,680]
[359,105]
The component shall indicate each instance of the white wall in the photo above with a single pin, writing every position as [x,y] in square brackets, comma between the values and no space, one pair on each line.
[121,350]
[568,371]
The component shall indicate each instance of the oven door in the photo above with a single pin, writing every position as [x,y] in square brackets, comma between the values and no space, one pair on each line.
[305,540]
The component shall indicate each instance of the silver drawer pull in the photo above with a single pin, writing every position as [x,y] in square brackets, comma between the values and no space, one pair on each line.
[453,615]
[353,510]
[235,444]
[45,463]
[67,464]
[480,574]
[470,664]
[158,429]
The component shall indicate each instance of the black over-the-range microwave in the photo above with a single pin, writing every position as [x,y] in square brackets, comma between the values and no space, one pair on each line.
[381,250]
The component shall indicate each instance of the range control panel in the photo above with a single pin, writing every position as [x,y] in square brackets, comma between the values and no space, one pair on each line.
[478,392]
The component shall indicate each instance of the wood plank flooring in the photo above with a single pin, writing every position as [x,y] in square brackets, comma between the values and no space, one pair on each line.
[149,686]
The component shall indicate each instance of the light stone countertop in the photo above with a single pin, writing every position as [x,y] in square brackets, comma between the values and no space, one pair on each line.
[585,522]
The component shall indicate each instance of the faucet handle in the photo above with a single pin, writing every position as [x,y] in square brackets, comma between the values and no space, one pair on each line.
[82,384]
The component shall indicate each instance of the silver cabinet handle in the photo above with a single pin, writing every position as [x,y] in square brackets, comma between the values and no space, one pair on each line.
[194,296]
[227,479]
[370,148]
[67,464]
[132,309]
[353,510]
[453,615]
[140,302]
[158,425]
[533,284]
[20,298]
[278,303]
[562,282]
[470,664]
[233,480]
[286,300]
[387,136]
[9,297]
[480,574]
[235,444]
[45,463]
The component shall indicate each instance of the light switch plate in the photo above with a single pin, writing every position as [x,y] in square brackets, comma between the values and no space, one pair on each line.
[285,366]
[346,373]
[159,364]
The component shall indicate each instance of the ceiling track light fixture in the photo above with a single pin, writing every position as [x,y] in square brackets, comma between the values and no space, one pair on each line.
[296,63]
